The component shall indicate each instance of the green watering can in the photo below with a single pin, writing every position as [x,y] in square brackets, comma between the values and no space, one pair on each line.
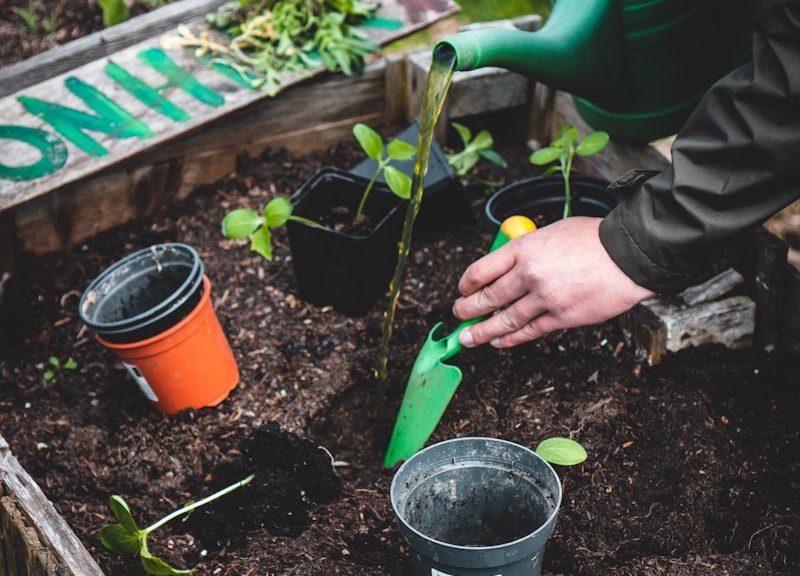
[637,68]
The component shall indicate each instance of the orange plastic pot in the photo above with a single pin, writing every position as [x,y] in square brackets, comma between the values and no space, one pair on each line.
[189,365]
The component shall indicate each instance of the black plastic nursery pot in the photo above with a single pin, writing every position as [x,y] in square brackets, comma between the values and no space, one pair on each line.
[348,270]
[476,507]
[444,204]
[542,199]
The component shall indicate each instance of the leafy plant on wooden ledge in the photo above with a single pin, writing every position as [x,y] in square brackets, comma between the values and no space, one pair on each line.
[481,146]
[245,222]
[126,537]
[563,149]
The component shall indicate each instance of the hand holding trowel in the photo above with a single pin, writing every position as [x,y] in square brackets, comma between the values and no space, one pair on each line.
[432,382]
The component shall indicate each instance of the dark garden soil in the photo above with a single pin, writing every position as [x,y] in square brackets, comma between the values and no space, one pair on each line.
[693,469]
[56,22]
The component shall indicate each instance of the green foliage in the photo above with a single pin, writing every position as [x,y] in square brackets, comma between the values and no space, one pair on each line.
[474,149]
[125,537]
[29,17]
[287,36]
[563,149]
[561,451]
[50,21]
[56,366]
[244,222]
[397,150]
[114,11]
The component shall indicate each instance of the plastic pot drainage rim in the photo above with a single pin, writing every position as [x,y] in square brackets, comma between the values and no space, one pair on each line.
[476,507]
[144,293]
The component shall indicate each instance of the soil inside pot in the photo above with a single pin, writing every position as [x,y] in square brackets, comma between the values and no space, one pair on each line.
[343,219]
[56,22]
[693,465]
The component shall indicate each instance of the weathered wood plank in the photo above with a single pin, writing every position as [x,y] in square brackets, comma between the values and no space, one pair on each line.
[768,285]
[64,58]
[201,93]
[35,538]
[712,289]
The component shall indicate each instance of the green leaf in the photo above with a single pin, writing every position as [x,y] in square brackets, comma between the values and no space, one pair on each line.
[54,362]
[467,163]
[592,144]
[157,567]
[70,364]
[483,141]
[567,132]
[369,140]
[463,131]
[121,511]
[261,242]
[119,539]
[545,155]
[555,168]
[494,158]
[277,211]
[49,375]
[561,451]
[240,223]
[399,150]
[114,11]
[398,182]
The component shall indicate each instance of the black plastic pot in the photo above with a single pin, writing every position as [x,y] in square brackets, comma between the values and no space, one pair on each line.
[144,293]
[443,203]
[348,271]
[542,199]
[476,507]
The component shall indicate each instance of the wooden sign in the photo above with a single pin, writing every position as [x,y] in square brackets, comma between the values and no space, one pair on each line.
[92,117]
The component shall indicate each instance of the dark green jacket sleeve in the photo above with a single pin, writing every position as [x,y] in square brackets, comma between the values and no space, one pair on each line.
[734,164]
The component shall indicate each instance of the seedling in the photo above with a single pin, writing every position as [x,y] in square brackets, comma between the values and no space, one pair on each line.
[29,16]
[50,21]
[561,451]
[56,366]
[563,149]
[126,537]
[372,144]
[474,149]
[247,223]
[114,11]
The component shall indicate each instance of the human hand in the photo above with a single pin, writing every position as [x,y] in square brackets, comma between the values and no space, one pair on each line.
[557,277]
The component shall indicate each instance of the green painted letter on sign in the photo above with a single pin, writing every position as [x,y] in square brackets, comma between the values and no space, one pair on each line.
[52,149]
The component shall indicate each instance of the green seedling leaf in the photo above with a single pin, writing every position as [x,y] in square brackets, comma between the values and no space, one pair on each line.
[261,242]
[240,223]
[122,512]
[277,211]
[49,375]
[550,170]
[467,163]
[370,141]
[592,144]
[398,182]
[70,364]
[567,132]
[399,150]
[561,451]
[463,131]
[545,155]
[494,158]
[54,362]
[483,141]
[157,567]
[119,539]
[114,11]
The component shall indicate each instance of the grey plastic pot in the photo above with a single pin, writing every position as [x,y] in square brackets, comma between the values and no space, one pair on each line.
[476,507]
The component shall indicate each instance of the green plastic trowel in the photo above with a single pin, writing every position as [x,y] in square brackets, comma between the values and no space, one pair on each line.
[432,382]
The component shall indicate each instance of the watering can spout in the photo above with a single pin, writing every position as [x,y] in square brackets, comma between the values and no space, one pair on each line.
[578,50]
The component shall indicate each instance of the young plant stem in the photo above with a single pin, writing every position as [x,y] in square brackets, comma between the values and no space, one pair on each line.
[189,507]
[364,197]
[306,221]
[567,196]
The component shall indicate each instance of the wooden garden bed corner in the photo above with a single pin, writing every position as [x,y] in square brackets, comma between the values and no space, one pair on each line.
[34,539]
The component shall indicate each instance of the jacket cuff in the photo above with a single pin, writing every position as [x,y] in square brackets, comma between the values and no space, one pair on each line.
[625,250]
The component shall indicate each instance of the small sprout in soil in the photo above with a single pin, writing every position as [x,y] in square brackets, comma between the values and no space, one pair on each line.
[126,537]
[474,149]
[50,21]
[114,11]
[372,144]
[561,451]
[56,366]
[247,223]
[29,16]
[563,149]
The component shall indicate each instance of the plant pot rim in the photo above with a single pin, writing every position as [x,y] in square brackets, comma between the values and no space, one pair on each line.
[335,171]
[546,525]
